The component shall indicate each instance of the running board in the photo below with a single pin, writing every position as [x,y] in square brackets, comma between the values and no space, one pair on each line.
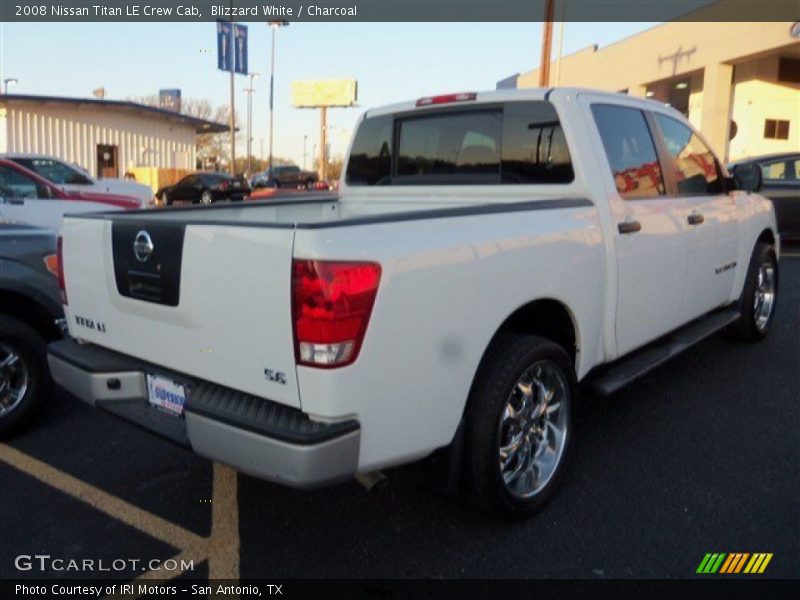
[624,371]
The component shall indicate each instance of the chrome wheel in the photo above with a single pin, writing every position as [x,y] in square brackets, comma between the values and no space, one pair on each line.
[13,379]
[764,297]
[533,429]
[206,198]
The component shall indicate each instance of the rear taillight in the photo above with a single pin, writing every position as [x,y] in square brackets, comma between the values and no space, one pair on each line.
[223,186]
[62,286]
[447,99]
[331,305]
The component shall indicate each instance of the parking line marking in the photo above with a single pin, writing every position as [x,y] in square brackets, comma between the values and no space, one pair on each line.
[224,539]
[196,555]
[154,526]
[220,549]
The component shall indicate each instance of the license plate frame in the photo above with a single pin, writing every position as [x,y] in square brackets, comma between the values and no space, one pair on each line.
[166,395]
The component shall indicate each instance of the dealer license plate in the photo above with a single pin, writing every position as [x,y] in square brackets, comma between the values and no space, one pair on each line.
[166,395]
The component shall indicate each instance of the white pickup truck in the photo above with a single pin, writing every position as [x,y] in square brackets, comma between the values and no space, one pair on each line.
[486,253]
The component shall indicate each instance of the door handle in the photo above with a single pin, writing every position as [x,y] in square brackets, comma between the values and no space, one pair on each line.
[629,227]
[695,219]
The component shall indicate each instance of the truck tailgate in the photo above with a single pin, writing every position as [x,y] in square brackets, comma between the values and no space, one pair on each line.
[208,300]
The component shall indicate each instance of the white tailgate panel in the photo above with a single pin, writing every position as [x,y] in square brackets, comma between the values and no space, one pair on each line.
[234,316]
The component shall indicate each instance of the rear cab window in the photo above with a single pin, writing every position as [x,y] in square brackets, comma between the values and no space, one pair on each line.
[515,143]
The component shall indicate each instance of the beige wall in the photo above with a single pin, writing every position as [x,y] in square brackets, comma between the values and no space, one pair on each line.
[72,133]
[665,51]
[733,72]
[758,96]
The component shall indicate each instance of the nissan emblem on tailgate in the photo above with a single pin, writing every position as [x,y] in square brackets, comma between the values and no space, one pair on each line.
[143,246]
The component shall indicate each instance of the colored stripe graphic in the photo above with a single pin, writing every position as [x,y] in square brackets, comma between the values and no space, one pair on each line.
[722,563]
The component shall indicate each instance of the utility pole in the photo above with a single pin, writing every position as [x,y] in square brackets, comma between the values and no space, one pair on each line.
[560,43]
[547,43]
[273,25]
[250,91]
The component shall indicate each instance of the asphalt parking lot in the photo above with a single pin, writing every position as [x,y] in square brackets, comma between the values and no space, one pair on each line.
[702,455]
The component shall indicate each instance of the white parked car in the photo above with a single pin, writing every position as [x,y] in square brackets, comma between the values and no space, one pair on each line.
[26,197]
[486,253]
[72,178]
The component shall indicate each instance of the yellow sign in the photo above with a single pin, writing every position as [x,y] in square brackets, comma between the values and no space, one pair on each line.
[324,92]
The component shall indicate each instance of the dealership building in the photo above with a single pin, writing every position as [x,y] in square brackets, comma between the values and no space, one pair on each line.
[105,137]
[738,82]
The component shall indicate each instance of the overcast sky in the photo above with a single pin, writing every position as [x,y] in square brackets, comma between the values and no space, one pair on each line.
[392,62]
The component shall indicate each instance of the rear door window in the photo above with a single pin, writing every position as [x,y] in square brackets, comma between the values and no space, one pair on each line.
[630,150]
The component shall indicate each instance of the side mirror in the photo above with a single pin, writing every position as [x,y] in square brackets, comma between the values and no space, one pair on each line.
[747,177]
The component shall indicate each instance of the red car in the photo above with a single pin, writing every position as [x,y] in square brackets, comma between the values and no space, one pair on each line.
[29,198]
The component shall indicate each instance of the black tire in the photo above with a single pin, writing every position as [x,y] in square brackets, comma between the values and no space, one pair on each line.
[508,360]
[31,350]
[751,328]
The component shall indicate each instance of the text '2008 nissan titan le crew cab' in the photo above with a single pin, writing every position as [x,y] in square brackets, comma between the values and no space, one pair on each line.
[486,253]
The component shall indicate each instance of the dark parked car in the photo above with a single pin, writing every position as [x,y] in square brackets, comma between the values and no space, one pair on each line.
[31,316]
[204,188]
[286,176]
[781,184]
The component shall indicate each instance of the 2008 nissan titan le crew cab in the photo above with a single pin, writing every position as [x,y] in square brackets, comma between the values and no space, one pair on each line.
[486,253]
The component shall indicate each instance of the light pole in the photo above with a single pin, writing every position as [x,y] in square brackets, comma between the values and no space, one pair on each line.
[250,91]
[8,82]
[305,139]
[274,25]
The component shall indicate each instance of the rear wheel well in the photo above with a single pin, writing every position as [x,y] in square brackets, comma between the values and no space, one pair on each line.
[547,318]
[26,309]
[766,237]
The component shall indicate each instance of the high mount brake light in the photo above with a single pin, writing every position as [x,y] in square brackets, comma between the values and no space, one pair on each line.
[331,306]
[447,99]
